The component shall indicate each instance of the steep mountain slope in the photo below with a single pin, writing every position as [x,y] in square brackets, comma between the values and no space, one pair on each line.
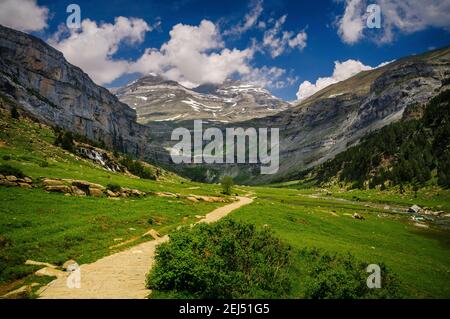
[157,99]
[408,152]
[41,81]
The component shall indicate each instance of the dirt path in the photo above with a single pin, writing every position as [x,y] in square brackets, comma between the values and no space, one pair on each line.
[122,275]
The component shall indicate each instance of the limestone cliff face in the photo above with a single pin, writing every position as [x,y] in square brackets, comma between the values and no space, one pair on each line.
[40,79]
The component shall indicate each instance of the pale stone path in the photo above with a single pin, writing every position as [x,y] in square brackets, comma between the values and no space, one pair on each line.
[122,275]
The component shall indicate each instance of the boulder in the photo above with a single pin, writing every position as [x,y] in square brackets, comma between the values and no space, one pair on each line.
[28,180]
[48,271]
[95,192]
[24,185]
[11,178]
[111,193]
[414,209]
[52,182]
[358,216]
[2,176]
[192,199]
[58,189]
[7,183]
[77,192]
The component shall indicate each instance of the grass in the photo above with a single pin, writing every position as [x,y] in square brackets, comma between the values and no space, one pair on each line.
[420,257]
[53,228]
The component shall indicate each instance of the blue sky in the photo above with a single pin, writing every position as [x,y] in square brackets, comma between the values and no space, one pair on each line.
[320,20]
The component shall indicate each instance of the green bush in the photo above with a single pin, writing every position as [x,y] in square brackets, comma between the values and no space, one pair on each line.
[227,184]
[137,168]
[9,170]
[332,276]
[15,113]
[65,141]
[223,260]
[114,187]
[6,157]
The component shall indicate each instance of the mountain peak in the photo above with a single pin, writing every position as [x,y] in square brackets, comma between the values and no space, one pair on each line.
[158,99]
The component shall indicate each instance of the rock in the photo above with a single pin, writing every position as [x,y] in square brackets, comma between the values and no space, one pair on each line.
[20,293]
[192,199]
[24,185]
[11,178]
[2,176]
[28,180]
[68,264]
[52,182]
[77,192]
[415,209]
[48,271]
[59,189]
[111,193]
[7,183]
[165,194]
[137,193]
[358,216]
[95,192]
[38,263]
[152,233]
[59,93]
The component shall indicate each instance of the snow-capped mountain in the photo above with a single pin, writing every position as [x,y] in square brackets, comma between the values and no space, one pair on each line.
[157,99]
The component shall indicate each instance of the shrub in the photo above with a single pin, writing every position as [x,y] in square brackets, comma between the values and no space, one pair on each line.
[223,260]
[15,113]
[137,168]
[333,276]
[114,187]
[6,157]
[65,141]
[227,184]
[9,170]
[43,164]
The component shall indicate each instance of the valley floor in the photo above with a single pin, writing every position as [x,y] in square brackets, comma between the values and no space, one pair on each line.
[53,228]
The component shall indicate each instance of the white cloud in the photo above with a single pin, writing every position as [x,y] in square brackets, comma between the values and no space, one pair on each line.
[351,24]
[269,77]
[250,19]
[23,15]
[278,41]
[92,48]
[194,55]
[341,72]
[406,16]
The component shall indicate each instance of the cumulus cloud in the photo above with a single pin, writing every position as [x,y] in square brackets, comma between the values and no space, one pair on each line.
[341,72]
[194,55]
[407,16]
[93,46]
[278,41]
[23,15]
[250,19]
[351,24]
[269,77]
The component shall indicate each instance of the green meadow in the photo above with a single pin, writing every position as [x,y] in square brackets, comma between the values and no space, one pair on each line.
[50,227]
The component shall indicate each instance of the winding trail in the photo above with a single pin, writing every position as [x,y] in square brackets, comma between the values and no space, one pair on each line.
[122,275]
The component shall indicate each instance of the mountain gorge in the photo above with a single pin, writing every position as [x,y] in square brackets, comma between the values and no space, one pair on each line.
[139,121]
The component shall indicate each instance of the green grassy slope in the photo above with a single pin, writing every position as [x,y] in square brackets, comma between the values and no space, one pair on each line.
[53,228]
[420,257]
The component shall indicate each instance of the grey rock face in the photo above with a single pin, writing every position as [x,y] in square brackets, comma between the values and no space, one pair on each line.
[46,85]
[39,79]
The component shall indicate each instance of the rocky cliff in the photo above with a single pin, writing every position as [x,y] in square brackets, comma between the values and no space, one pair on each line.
[41,81]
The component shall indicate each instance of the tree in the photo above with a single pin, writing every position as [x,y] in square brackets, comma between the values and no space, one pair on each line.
[227,184]
[15,113]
